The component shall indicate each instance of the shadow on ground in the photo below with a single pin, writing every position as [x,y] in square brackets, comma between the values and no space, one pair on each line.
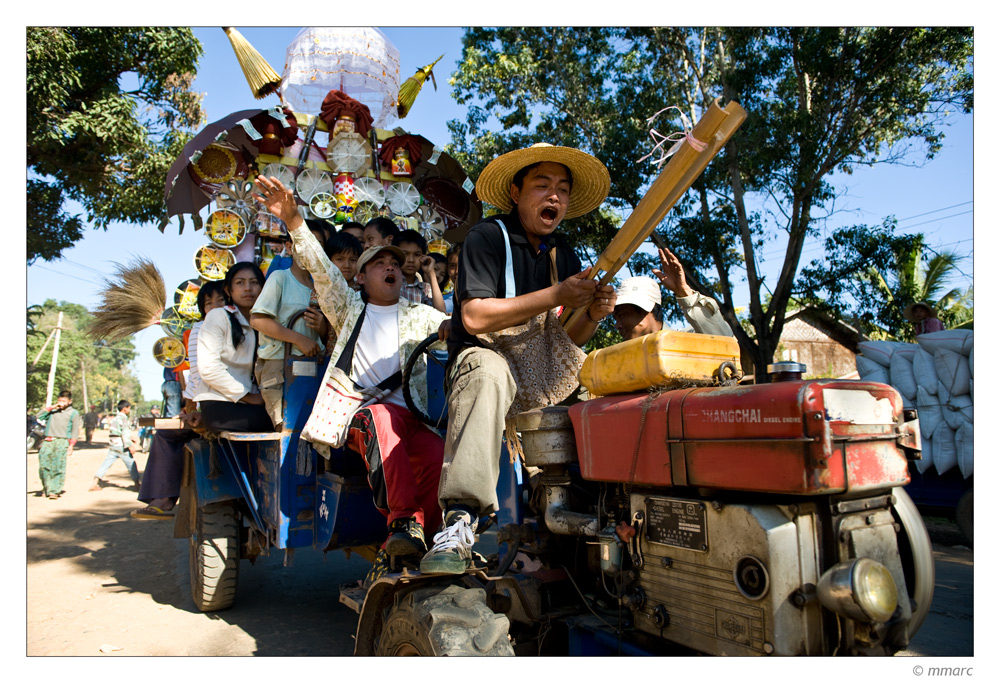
[287,610]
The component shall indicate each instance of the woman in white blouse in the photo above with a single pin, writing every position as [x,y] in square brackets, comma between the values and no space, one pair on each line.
[228,396]
[229,400]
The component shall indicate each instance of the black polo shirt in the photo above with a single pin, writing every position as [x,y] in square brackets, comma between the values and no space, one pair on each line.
[482,269]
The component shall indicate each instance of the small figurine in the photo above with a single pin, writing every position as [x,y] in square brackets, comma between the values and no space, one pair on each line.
[401,163]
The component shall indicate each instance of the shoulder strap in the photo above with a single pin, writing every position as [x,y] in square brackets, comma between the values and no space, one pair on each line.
[392,382]
[347,356]
[509,287]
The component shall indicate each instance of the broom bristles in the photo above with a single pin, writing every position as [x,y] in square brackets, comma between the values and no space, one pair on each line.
[131,303]
[262,78]
[411,88]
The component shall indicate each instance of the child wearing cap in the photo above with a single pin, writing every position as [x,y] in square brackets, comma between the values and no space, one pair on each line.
[638,309]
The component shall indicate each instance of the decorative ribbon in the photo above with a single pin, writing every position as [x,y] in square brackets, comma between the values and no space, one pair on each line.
[677,137]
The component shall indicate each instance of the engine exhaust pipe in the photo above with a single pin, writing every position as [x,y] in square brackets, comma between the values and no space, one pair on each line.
[559,519]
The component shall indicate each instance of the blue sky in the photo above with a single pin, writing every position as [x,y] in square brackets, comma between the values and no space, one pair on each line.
[934,198]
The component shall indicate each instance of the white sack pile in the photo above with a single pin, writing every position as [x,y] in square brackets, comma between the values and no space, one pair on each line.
[935,377]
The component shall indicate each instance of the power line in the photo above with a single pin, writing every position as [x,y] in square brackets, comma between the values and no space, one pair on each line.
[92,282]
[933,220]
[84,266]
[927,213]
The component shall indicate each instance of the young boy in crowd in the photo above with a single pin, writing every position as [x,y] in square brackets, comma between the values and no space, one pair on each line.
[285,293]
[379,232]
[354,228]
[440,269]
[419,290]
[344,250]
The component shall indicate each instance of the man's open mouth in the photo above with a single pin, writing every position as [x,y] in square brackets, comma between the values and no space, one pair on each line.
[390,279]
[549,214]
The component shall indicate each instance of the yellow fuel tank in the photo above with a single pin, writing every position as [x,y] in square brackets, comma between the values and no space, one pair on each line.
[661,358]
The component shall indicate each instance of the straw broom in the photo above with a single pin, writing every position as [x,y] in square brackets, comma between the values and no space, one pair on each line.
[262,78]
[411,88]
[130,303]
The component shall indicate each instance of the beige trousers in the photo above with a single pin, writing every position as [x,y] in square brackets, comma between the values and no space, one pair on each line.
[481,390]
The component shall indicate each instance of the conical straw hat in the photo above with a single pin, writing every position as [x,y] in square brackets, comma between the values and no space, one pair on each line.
[591,180]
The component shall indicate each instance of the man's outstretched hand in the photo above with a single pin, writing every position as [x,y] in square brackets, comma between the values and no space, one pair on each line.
[277,199]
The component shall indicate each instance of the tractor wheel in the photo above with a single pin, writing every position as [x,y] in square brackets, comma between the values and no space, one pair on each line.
[917,557]
[214,556]
[963,515]
[450,622]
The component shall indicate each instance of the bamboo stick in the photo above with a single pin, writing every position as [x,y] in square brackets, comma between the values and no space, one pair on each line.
[714,128]
[722,135]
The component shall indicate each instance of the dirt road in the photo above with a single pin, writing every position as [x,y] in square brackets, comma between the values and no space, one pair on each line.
[100,583]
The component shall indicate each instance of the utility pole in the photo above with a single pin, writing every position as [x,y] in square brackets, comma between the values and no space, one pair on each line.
[55,358]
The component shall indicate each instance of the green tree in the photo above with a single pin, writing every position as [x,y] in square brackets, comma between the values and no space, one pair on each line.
[107,369]
[820,100]
[109,109]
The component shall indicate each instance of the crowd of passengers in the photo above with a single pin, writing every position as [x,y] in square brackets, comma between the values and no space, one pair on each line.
[371,294]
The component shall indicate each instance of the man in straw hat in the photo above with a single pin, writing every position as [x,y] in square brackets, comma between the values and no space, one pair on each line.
[924,318]
[513,268]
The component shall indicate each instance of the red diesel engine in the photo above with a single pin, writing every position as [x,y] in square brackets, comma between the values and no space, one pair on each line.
[743,520]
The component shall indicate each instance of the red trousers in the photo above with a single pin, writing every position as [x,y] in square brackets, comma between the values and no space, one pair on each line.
[404,460]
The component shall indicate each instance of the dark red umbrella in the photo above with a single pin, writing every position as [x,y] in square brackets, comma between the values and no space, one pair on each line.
[181,194]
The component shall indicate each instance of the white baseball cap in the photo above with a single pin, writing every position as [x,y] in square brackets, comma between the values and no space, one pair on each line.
[643,292]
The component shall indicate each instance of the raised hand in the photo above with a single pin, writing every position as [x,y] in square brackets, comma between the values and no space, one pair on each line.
[277,199]
[671,274]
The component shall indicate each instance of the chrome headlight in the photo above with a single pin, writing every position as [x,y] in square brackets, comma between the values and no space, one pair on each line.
[861,589]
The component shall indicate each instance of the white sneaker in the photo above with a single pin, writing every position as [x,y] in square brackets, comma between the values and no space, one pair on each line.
[452,550]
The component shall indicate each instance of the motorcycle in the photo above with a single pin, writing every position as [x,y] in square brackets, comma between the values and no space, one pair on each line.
[36,433]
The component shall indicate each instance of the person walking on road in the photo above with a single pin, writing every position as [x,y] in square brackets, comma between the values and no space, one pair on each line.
[62,427]
[122,446]
[90,421]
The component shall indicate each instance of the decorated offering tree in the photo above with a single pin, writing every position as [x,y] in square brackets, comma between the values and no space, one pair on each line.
[328,137]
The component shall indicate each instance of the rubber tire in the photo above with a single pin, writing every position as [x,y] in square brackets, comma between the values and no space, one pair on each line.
[214,556]
[917,556]
[451,622]
[963,515]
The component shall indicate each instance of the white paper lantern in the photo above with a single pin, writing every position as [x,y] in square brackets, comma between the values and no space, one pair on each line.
[359,61]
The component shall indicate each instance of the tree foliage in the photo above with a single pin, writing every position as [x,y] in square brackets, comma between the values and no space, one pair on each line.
[819,100]
[108,374]
[109,109]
